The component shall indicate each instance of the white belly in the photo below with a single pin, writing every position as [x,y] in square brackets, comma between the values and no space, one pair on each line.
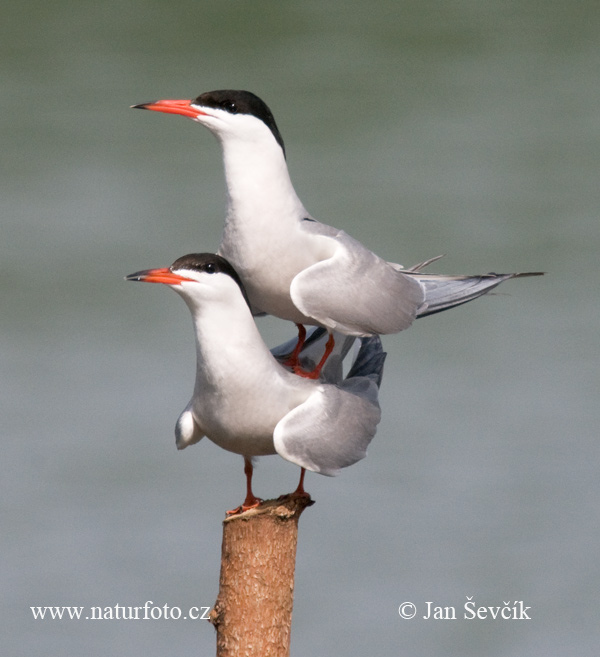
[241,416]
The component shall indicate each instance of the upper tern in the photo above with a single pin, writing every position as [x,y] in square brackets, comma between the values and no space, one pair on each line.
[292,265]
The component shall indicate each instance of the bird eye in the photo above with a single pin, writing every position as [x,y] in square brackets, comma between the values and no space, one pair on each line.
[229,106]
[210,268]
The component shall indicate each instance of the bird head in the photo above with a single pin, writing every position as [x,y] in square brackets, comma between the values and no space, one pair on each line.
[199,278]
[227,113]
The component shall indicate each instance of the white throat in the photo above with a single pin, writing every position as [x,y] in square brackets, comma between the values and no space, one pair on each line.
[227,341]
[259,188]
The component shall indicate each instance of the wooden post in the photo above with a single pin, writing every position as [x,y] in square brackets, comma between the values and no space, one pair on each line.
[253,611]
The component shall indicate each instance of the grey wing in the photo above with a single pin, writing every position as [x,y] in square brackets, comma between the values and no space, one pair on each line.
[187,430]
[331,429]
[353,290]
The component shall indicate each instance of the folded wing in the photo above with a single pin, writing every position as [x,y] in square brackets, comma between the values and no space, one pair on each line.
[353,290]
[333,427]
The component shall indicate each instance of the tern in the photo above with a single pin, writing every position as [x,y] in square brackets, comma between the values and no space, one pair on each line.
[293,266]
[247,402]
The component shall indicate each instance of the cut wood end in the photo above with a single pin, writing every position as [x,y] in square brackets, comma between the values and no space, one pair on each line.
[286,506]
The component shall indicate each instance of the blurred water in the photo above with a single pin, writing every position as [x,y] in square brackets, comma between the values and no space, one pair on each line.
[468,128]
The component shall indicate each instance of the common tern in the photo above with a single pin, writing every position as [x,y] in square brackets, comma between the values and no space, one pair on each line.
[247,402]
[293,266]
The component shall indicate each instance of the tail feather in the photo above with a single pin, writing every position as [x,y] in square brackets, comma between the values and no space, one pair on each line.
[369,360]
[444,292]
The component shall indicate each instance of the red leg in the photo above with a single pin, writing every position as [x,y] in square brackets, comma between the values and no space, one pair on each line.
[293,359]
[251,500]
[300,492]
[317,371]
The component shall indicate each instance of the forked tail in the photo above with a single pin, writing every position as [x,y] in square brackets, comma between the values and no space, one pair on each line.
[443,292]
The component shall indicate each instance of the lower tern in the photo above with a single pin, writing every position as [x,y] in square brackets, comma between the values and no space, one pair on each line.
[293,266]
[248,403]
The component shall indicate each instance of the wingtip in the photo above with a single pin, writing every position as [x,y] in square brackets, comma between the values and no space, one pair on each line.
[529,273]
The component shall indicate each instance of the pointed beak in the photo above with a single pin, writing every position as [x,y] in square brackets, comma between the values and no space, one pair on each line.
[165,276]
[182,107]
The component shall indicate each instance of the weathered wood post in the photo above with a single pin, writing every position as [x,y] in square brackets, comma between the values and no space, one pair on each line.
[253,611]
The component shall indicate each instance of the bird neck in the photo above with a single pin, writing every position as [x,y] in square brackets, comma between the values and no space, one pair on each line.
[228,345]
[259,187]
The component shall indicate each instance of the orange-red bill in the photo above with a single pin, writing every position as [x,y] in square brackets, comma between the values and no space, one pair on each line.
[182,107]
[164,275]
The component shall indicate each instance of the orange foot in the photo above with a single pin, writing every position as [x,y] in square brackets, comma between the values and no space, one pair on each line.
[304,374]
[246,506]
